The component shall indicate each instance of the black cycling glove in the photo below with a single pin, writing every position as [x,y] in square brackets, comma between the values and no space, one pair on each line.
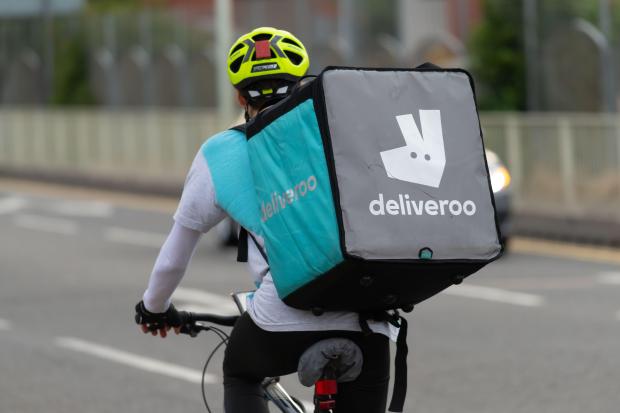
[157,321]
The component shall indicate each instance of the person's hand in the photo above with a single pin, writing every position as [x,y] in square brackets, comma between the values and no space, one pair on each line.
[157,323]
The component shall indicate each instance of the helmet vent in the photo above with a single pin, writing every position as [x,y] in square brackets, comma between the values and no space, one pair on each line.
[261,36]
[234,66]
[293,57]
[236,48]
[291,41]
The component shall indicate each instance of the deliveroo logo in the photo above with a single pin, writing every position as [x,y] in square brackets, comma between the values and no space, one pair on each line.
[423,158]
[421,161]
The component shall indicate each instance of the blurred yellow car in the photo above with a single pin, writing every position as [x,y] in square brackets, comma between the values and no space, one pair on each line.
[500,183]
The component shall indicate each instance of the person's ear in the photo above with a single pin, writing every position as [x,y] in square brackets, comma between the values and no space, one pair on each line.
[243,102]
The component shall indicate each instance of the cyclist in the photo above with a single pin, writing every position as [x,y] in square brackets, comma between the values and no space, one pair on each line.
[269,338]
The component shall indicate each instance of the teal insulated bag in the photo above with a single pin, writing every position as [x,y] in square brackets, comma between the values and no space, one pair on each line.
[372,188]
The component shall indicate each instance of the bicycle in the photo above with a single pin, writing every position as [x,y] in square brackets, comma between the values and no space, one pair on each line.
[333,368]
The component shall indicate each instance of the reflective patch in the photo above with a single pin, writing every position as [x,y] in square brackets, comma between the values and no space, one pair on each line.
[265,67]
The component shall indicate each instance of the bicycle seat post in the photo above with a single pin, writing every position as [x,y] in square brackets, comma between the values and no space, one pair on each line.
[326,388]
[325,391]
[324,364]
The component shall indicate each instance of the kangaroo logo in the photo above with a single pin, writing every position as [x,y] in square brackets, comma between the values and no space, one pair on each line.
[423,158]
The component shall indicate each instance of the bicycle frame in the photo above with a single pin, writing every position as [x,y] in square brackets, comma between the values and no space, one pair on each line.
[275,393]
[271,386]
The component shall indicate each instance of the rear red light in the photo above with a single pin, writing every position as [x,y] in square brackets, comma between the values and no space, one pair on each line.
[325,387]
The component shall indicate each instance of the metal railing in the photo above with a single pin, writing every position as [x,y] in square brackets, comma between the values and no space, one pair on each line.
[140,145]
[561,164]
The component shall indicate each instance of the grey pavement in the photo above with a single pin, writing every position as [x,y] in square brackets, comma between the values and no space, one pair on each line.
[530,333]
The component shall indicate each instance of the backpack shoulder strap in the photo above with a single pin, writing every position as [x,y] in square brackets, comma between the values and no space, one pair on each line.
[242,247]
[239,128]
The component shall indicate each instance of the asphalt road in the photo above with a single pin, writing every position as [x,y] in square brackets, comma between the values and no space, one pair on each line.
[538,331]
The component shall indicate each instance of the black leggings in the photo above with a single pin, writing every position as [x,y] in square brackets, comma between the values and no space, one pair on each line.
[253,354]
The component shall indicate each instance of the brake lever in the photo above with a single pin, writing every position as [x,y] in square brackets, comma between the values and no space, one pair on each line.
[192,330]
[189,329]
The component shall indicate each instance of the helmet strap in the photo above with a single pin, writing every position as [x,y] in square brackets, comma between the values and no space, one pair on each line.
[255,98]
[246,114]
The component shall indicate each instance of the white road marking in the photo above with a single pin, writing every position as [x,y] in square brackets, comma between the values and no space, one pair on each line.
[206,301]
[92,209]
[495,294]
[134,237]
[11,204]
[139,362]
[612,278]
[41,223]
[5,325]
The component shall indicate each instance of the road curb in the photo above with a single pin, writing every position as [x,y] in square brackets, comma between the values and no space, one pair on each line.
[581,230]
[133,185]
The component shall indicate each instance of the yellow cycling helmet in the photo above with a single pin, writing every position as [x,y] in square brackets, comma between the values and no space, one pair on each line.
[266,53]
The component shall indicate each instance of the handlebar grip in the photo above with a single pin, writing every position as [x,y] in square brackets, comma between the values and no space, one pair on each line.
[186,318]
[228,321]
[191,318]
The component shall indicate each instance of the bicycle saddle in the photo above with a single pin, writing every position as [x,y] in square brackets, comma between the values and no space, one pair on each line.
[342,357]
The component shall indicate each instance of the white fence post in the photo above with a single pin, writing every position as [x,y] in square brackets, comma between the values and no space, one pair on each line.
[617,126]
[38,136]
[224,25]
[154,142]
[107,137]
[515,160]
[130,138]
[181,147]
[19,134]
[60,132]
[4,139]
[82,138]
[567,163]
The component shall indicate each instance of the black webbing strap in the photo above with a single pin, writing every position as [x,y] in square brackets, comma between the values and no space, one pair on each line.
[242,246]
[399,391]
[239,128]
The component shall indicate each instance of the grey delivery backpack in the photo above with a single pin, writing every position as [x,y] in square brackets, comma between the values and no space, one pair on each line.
[374,193]
[373,188]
